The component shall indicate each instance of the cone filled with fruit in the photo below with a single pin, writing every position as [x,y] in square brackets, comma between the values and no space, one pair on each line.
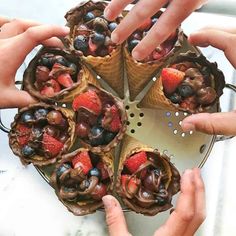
[139,73]
[100,119]
[190,84]
[81,179]
[90,38]
[40,133]
[54,75]
[146,179]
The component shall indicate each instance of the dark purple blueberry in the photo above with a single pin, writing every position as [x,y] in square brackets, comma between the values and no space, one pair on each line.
[161,201]
[62,169]
[185,91]
[40,114]
[154,20]
[61,60]
[27,151]
[109,136]
[132,44]
[27,117]
[54,117]
[89,16]
[94,158]
[98,39]
[175,98]
[81,44]
[95,172]
[96,136]
[112,26]
[46,61]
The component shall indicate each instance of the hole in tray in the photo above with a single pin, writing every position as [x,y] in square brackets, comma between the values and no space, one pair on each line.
[202,148]
[168,114]
[132,115]
[127,107]
[180,122]
[175,131]
[139,124]
[63,105]
[154,79]
[128,123]
[132,131]
[177,113]
[183,135]
[185,113]
[141,114]
[98,77]
[190,132]
[170,124]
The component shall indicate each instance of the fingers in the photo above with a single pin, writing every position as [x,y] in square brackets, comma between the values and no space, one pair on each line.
[3,20]
[215,123]
[114,217]
[221,39]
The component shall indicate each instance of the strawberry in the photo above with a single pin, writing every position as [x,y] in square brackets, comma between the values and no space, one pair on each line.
[111,120]
[54,84]
[104,172]
[23,134]
[88,100]
[99,191]
[82,160]
[145,25]
[189,103]
[130,185]
[47,91]
[51,145]
[65,80]
[135,161]
[171,79]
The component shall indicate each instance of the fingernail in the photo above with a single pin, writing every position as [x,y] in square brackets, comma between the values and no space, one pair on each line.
[115,38]
[66,29]
[107,13]
[136,55]
[187,127]
[108,202]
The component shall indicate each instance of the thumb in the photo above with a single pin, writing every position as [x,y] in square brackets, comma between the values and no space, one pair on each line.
[114,217]
[215,123]
[15,98]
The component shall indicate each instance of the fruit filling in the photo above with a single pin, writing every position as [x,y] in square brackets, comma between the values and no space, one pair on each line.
[41,132]
[160,51]
[55,73]
[188,86]
[93,34]
[83,176]
[98,117]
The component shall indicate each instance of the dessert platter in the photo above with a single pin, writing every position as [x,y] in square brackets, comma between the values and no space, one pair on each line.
[108,124]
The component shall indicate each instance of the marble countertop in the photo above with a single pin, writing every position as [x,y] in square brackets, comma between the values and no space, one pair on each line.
[28,205]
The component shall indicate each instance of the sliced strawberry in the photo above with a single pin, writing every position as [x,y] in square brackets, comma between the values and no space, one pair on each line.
[82,160]
[65,80]
[135,161]
[111,120]
[99,191]
[47,91]
[51,145]
[104,172]
[145,25]
[171,79]
[130,185]
[88,100]
[54,84]
[23,134]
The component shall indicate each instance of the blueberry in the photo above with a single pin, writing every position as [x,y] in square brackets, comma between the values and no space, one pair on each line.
[27,117]
[185,91]
[108,137]
[61,60]
[96,136]
[73,67]
[161,201]
[81,44]
[95,172]
[89,16]
[62,169]
[175,98]
[40,114]
[46,61]
[154,20]
[27,151]
[98,39]
[132,44]
[94,158]
[112,26]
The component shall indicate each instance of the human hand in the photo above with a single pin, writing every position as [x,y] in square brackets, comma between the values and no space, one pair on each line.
[175,13]
[17,39]
[215,123]
[184,220]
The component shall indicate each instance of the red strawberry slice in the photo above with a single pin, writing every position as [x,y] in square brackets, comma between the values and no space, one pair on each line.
[145,25]
[130,185]
[47,91]
[51,145]
[171,79]
[82,160]
[65,80]
[54,84]
[104,172]
[88,100]
[99,191]
[23,134]
[135,161]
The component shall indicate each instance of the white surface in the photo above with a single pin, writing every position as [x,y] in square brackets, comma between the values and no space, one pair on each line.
[28,205]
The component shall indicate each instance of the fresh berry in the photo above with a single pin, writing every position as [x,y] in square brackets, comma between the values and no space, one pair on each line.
[206,95]
[98,39]
[61,60]
[86,116]
[109,136]
[83,161]
[171,79]
[95,172]
[89,16]
[47,61]
[135,161]
[175,98]
[103,170]
[47,91]
[54,84]
[40,114]
[88,100]
[73,67]
[102,52]
[27,117]
[81,44]
[185,91]
[132,44]
[111,120]
[51,145]
[54,117]
[99,191]
[100,25]
[112,26]
[27,151]
[82,129]
[152,182]
[23,134]
[145,25]
[130,185]
[62,169]
[51,131]
[65,80]
[96,136]
[42,74]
